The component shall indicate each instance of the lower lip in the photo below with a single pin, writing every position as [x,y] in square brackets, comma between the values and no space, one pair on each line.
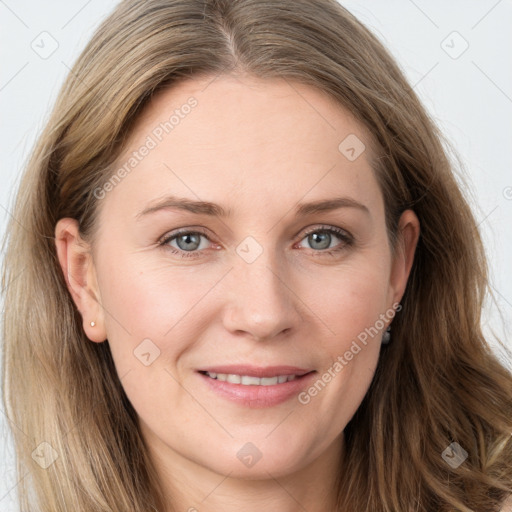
[258,396]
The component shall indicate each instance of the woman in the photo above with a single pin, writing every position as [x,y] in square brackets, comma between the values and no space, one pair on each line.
[187,345]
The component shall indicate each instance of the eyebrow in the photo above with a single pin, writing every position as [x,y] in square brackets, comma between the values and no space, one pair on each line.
[216,210]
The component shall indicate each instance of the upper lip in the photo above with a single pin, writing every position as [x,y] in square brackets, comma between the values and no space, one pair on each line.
[256,371]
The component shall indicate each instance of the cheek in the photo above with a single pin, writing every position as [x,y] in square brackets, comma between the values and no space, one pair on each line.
[350,304]
[350,300]
[145,299]
[152,301]
[351,308]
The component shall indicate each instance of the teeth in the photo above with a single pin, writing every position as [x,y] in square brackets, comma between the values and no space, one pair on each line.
[233,379]
[247,380]
[250,381]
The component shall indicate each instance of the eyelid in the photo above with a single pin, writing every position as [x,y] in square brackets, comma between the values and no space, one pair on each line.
[345,237]
[347,240]
[181,231]
[329,228]
[202,231]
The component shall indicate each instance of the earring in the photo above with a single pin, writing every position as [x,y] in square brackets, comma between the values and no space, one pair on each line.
[386,337]
[93,324]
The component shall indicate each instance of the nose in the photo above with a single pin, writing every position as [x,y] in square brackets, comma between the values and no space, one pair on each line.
[260,302]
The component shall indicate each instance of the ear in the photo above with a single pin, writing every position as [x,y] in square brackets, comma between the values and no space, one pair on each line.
[76,262]
[408,236]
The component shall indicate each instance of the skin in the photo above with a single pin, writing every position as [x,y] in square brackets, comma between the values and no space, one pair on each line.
[256,147]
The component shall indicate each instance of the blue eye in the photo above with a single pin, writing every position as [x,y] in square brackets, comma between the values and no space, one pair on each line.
[320,239]
[189,241]
[189,244]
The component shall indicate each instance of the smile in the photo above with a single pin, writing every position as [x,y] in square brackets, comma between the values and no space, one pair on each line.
[248,380]
[256,387]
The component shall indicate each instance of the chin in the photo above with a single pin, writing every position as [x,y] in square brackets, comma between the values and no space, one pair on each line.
[255,460]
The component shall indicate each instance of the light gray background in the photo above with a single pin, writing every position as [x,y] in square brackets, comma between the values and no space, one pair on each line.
[469,95]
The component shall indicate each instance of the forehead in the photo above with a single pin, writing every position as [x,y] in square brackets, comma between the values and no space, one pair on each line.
[225,137]
[256,110]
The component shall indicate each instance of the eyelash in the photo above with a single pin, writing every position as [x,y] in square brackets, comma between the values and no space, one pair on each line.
[345,237]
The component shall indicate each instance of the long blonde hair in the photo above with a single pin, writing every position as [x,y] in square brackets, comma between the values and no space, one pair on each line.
[438,382]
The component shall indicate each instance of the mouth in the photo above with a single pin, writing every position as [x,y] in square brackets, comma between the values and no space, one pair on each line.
[256,387]
[249,380]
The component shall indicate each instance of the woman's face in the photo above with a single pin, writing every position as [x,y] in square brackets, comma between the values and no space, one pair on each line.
[281,270]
